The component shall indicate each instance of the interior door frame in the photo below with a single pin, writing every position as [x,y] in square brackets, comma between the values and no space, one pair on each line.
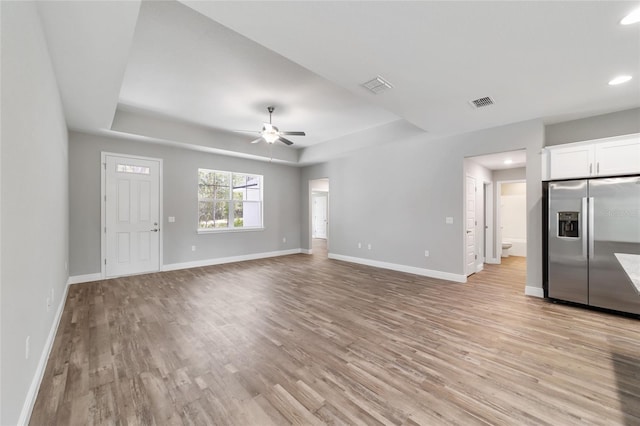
[315,196]
[310,215]
[103,207]
[498,213]
[475,227]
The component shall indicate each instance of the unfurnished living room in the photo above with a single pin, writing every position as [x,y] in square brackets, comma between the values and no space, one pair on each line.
[310,212]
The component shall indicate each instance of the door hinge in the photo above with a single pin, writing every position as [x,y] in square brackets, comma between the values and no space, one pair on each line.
[105,165]
[105,229]
[105,261]
[476,256]
[105,198]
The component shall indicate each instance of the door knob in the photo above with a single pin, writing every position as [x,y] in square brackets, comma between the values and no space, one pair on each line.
[154,230]
[468,232]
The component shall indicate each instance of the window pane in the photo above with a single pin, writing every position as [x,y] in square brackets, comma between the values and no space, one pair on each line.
[128,168]
[205,191]
[238,220]
[221,192]
[254,181]
[205,214]
[239,181]
[253,194]
[222,178]
[221,214]
[247,214]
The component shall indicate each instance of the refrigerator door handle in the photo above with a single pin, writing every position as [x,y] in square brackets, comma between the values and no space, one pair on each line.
[591,220]
[585,232]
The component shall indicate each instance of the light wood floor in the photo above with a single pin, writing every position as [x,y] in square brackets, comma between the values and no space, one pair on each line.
[306,340]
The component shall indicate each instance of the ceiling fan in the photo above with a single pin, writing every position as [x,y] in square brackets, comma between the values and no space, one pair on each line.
[271,133]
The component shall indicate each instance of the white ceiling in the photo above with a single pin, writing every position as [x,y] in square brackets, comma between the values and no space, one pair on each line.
[221,67]
[184,65]
[496,161]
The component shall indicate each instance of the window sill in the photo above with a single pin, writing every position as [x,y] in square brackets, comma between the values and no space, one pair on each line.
[224,230]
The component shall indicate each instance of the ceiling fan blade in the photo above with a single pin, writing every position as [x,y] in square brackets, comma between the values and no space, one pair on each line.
[294,133]
[257,140]
[246,131]
[287,141]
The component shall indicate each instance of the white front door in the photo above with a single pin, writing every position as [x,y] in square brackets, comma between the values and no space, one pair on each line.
[470,227]
[132,215]
[320,216]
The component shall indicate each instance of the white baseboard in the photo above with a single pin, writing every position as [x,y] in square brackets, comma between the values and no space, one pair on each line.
[534,291]
[306,251]
[231,259]
[401,268]
[30,400]
[76,279]
[479,267]
[492,261]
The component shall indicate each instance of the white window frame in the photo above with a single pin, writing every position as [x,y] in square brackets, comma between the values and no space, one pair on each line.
[230,201]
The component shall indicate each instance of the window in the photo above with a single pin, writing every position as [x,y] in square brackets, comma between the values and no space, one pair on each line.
[128,168]
[229,200]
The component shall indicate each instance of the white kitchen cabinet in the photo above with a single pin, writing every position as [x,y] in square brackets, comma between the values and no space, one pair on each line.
[614,156]
[571,162]
[618,157]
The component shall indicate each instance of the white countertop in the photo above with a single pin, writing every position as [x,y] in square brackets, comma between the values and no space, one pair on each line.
[631,265]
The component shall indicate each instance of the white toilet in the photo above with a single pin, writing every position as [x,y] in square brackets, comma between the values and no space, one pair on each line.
[505,248]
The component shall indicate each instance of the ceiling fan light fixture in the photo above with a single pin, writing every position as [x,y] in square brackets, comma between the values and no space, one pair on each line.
[270,137]
[631,18]
[619,80]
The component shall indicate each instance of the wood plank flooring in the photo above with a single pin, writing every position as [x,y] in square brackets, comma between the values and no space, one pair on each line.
[306,340]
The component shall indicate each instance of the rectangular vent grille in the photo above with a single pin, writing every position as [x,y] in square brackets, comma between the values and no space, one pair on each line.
[377,85]
[482,102]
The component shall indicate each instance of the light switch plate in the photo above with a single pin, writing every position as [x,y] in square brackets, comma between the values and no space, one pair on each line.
[172,219]
[448,220]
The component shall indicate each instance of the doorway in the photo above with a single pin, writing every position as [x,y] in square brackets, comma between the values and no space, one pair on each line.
[487,220]
[131,212]
[319,211]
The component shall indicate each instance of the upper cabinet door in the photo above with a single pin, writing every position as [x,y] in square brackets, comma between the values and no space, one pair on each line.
[571,162]
[621,157]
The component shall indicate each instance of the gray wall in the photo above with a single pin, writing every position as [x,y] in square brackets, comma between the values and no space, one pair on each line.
[34,213]
[396,197]
[600,126]
[180,180]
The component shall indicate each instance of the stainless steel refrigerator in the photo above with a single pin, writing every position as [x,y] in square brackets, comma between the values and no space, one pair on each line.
[593,242]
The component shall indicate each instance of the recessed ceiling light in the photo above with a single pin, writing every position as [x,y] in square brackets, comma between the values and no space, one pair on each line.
[619,80]
[631,18]
[508,161]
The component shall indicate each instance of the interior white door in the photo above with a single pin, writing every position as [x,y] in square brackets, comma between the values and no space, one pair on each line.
[132,215]
[470,226]
[320,216]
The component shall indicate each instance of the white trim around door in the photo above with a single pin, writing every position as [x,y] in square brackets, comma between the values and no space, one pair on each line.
[129,165]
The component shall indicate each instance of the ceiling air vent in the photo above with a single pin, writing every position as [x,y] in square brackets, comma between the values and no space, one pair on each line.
[481,102]
[377,85]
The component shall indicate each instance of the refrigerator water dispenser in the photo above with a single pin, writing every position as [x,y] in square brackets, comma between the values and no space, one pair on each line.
[568,225]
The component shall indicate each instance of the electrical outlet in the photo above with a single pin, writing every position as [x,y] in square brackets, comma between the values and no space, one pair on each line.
[359,245]
[27,347]
[193,248]
[426,253]
[369,246]
[172,219]
[448,220]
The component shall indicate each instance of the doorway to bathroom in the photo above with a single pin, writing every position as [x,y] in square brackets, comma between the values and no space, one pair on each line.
[498,221]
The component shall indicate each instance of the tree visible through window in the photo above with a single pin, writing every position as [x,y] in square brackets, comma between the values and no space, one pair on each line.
[229,200]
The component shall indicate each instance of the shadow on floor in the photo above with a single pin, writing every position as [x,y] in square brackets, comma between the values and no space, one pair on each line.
[627,371]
